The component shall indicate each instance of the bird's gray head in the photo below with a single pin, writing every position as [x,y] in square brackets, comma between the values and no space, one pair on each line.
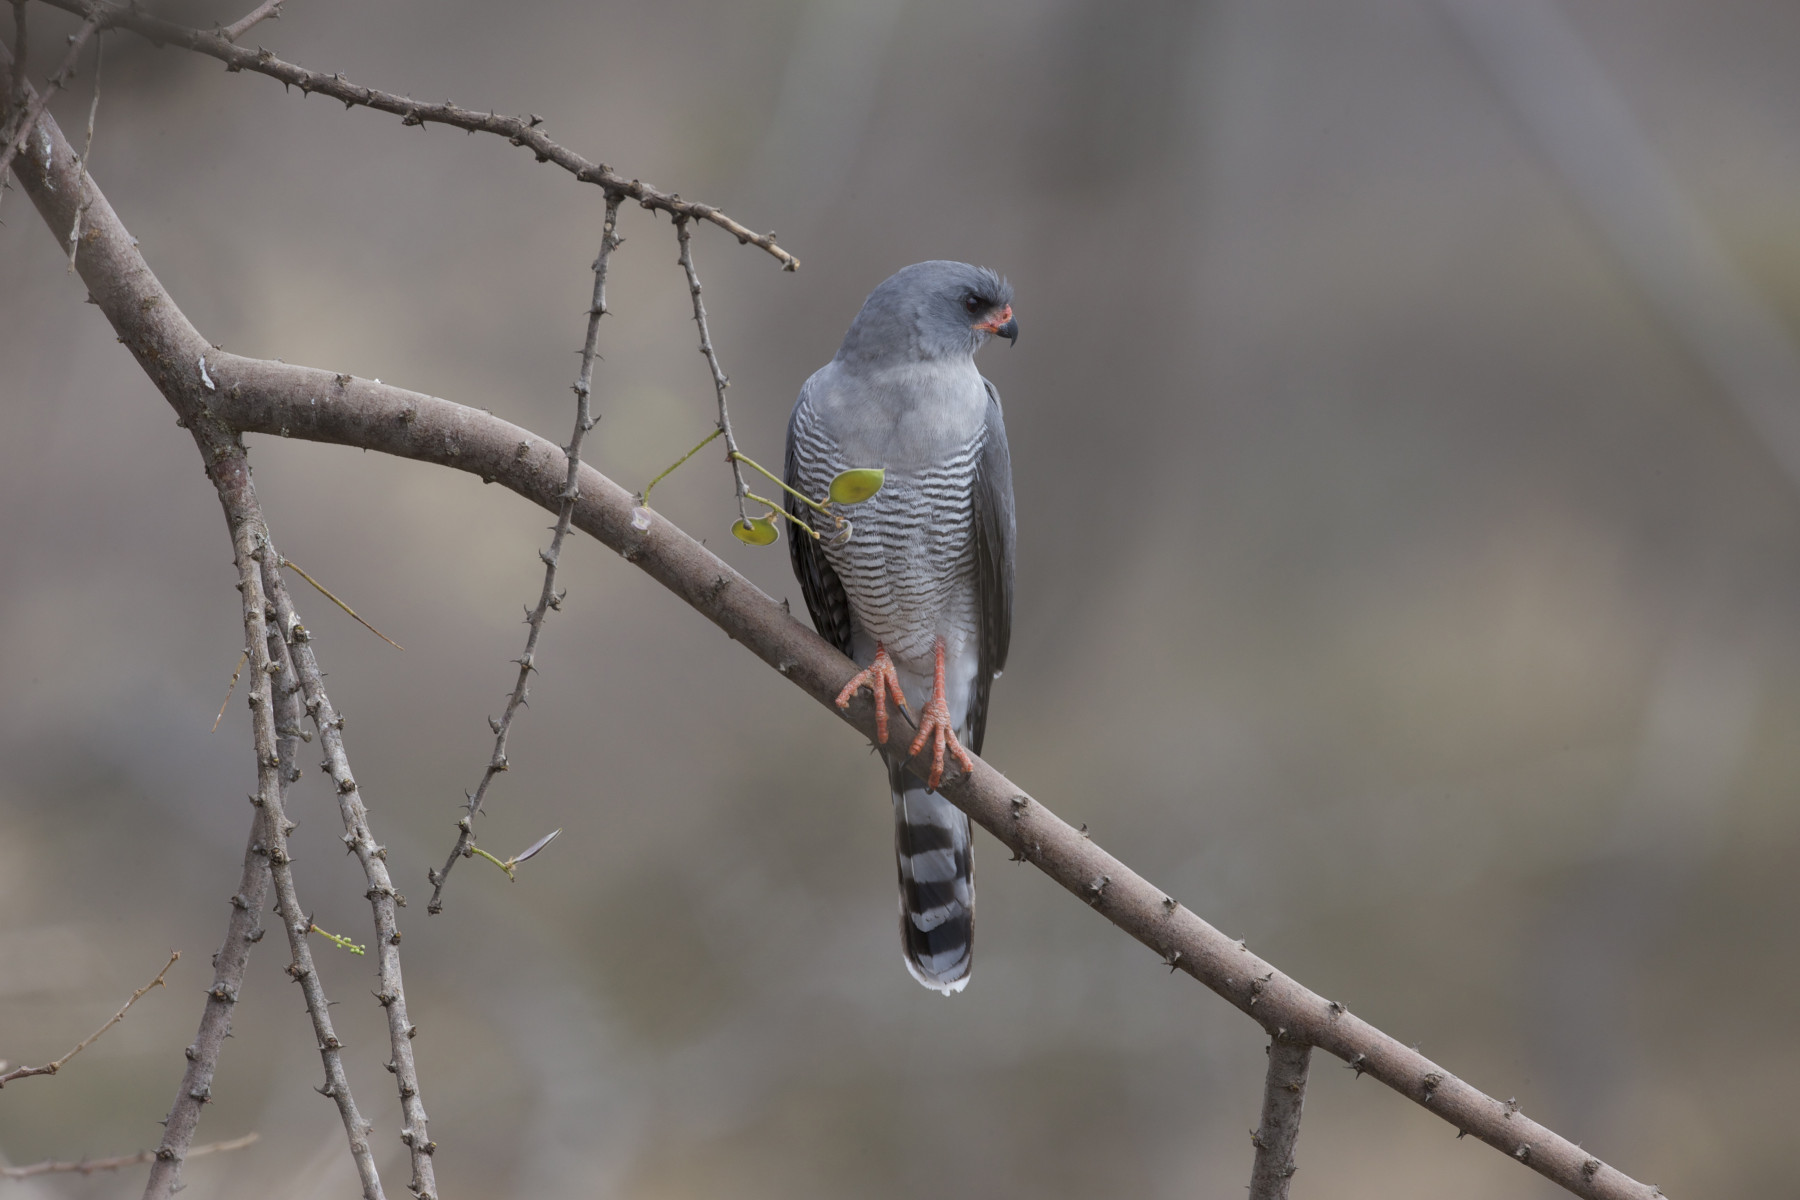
[930,310]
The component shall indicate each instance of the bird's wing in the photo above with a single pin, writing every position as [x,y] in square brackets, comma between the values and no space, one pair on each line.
[994,537]
[824,592]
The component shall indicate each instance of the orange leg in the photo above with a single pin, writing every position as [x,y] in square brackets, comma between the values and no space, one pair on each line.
[935,724]
[879,678]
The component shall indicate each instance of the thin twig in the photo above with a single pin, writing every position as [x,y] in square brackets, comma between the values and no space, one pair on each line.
[297,657]
[328,594]
[1284,1095]
[720,383]
[88,1166]
[21,51]
[33,108]
[54,1067]
[548,598]
[520,131]
[269,10]
[264,396]
[87,150]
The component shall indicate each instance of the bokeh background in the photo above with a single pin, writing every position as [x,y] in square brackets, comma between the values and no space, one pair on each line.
[1409,582]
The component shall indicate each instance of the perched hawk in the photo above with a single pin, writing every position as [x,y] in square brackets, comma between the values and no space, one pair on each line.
[920,595]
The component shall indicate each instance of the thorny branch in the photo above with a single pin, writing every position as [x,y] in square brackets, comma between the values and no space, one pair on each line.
[33,105]
[87,148]
[54,1067]
[258,395]
[89,1166]
[548,597]
[520,131]
[294,644]
[271,682]
[1284,1095]
[242,931]
[720,383]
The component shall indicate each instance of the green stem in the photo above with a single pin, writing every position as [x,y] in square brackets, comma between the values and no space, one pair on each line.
[776,509]
[507,867]
[342,943]
[804,499]
[645,495]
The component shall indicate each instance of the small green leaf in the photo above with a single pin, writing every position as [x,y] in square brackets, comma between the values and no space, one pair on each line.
[855,486]
[757,531]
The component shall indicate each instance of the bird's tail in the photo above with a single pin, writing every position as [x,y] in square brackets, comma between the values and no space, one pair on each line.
[937,885]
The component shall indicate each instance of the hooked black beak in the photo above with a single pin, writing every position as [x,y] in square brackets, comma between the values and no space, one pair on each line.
[1002,324]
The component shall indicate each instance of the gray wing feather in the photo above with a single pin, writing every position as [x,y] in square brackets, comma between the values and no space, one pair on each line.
[819,584]
[995,535]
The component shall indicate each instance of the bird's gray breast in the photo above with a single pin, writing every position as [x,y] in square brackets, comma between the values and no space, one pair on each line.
[908,568]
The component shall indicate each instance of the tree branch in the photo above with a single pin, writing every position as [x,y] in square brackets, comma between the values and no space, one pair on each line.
[547,596]
[520,131]
[88,1166]
[1284,1094]
[279,398]
[269,10]
[34,105]
[53,1067]
[271,680]
[297,655]
[719,382]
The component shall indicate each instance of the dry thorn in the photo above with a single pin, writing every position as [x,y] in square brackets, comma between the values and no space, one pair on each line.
[53,1068]
[235,672]
[326,592]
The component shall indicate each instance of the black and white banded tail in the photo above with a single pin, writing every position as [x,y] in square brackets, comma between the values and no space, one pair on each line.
[937,885]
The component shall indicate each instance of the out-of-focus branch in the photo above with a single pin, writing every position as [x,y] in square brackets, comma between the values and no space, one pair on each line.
[33,105]
[548,597]
[272,397]
[1284,1095]
[269,10]
[520,131]
[53,1067]
[293,643]
[88,1166]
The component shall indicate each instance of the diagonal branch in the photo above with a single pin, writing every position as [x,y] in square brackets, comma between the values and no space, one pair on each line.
[270,397]
[1284,1094]
[53,1067]
[548,597]
[520,131]
[89,1166]
[242,931]
[269,10]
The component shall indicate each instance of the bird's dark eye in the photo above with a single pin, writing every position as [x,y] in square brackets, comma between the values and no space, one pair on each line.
[973,304]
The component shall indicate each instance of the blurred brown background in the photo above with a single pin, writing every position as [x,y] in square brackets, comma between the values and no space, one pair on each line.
[1401,585]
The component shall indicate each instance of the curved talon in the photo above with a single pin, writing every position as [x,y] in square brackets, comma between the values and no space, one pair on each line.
[880,678]
[935,724]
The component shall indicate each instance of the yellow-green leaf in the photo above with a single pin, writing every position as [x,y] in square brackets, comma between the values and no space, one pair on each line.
[757,531]
[856,485]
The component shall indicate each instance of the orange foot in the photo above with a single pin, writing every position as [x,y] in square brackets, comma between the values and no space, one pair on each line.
[935,724]
[879,678]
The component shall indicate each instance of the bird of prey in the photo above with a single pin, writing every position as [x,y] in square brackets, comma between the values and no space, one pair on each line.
[920,593]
